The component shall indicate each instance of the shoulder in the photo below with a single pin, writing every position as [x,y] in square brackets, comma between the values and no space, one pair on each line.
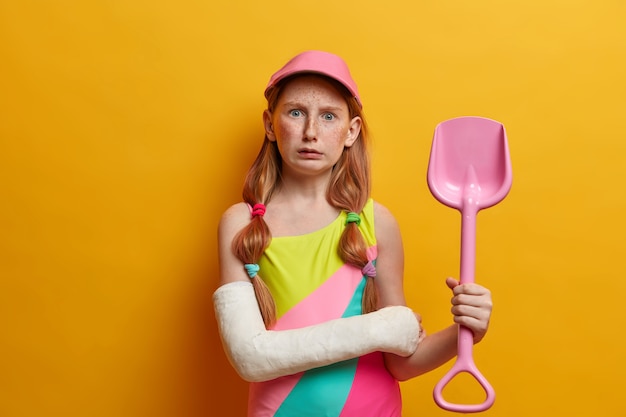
[387,229]
[384,220]
[390,258]
[233,220]
[237,210]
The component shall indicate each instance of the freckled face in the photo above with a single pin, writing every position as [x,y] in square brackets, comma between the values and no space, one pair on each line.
[311,125]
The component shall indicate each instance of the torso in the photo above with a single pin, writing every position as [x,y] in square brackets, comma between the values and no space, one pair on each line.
[308,291]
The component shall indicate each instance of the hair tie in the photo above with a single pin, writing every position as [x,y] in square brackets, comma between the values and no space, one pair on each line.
[369,270]
[258,210]
[252,270]
[353,218]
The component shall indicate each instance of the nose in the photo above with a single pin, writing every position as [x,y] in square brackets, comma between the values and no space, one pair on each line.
[310,129]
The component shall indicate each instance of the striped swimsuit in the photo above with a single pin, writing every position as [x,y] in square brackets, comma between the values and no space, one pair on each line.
[308,291]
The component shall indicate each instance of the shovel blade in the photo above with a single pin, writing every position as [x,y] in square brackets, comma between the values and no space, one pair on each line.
[464,146]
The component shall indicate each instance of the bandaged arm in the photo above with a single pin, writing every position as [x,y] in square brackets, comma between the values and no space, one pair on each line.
[258,354]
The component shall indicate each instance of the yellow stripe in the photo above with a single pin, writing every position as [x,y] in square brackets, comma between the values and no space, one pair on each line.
[294,266]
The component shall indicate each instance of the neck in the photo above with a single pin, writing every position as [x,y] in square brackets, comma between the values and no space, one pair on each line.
[309,189]
[299,207]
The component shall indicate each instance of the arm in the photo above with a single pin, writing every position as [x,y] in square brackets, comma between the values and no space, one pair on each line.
[471,304]
[259,354]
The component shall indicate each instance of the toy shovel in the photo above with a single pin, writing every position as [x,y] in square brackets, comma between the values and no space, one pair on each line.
[469,170]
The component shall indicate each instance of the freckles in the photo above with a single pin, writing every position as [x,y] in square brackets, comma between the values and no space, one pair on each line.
[284,132]
[341,133]
[285,126]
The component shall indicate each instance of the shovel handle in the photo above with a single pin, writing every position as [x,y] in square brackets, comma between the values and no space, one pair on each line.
[464,363]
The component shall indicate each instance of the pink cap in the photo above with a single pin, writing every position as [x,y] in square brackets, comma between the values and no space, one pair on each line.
[317,62]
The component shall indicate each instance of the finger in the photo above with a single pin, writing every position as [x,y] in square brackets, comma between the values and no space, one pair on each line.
[478,313]
[474,323]
[472,299]
[422,334]
[478,328]
[471,289]
[468,314]
[451,283]
[418,316]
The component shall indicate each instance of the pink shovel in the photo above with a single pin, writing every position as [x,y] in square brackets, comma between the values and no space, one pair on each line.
[469,170]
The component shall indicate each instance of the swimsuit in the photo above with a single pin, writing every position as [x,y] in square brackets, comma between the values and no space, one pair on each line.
[308,291]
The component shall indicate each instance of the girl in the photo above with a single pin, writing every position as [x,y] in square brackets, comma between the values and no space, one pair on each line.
[311,307]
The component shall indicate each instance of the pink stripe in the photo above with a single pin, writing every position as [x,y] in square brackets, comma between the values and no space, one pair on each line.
[334,295]
[372,253]
[273,394]
[374,387]
[327,302]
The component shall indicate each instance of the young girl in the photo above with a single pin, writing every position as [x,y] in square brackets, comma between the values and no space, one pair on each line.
[311,307]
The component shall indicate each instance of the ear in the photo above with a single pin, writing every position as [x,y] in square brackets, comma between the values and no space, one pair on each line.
[353,131]
[269,126]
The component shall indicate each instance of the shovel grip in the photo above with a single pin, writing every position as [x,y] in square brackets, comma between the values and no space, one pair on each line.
[464,363]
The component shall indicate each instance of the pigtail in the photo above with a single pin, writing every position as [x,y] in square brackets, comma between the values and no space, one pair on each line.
[251,241]
[349,190]
[248,245]
[353,250]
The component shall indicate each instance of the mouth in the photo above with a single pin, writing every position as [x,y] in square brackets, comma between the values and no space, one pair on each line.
[308,152]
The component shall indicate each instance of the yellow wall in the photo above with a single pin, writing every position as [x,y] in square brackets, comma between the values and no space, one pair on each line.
[126,128]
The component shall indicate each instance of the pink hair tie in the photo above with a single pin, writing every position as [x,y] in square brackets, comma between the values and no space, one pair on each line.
[258,210]
[369,270]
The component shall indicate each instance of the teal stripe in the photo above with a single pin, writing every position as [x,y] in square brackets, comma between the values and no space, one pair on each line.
[355,306]
[332,383]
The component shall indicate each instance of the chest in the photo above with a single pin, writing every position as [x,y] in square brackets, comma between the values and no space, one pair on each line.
[297,223]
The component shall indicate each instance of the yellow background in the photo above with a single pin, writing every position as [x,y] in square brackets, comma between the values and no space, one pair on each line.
[126,128]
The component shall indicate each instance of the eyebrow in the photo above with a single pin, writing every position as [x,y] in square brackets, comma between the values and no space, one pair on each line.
[297,104]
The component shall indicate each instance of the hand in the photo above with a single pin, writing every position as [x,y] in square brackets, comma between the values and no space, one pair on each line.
[471,307]
[422,333]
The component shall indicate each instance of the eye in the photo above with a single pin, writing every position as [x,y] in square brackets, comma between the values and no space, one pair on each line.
[328,116]
[295,113]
